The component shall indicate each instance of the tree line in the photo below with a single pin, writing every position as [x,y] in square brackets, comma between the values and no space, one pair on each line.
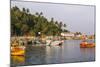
[25,23]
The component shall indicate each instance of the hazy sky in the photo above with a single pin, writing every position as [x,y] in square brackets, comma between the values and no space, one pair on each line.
[78,18]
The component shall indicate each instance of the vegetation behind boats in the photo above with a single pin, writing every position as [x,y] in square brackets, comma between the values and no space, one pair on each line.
[24,23]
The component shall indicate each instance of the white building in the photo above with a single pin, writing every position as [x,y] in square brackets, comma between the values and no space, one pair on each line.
[68,34]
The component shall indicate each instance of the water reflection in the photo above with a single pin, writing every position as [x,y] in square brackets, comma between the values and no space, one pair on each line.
[69,52]
[17,60]
[35,55]
[88,54]
[54,54]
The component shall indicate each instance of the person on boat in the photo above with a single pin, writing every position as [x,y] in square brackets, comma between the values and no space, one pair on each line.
[50,43]
[83,43]
[84,37]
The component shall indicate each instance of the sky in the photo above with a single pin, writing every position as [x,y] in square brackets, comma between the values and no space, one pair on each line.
[78,18]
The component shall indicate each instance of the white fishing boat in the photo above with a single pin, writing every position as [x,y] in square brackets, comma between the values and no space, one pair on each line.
[54,43]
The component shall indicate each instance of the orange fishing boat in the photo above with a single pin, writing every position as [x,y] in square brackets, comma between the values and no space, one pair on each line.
[18,51]
[87,45]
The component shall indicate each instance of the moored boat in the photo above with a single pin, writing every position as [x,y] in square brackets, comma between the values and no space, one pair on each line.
[55,43]
[87,45]
[18,51]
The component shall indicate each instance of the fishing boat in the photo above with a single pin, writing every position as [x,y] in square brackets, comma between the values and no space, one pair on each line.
[87,45]
[54,43]
[18,51]
[57,43]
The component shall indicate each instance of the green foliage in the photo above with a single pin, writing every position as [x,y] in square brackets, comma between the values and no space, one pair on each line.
[23,22]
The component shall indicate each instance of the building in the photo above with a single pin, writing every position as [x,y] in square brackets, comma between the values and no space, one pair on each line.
[70,34]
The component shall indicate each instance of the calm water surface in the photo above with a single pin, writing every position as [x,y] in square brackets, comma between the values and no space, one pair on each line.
[69,52]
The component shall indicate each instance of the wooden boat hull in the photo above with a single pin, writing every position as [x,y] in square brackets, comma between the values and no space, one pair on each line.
[54,43]
[87,45]
[17,51]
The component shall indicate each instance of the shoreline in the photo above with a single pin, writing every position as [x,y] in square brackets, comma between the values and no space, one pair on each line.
[49,37]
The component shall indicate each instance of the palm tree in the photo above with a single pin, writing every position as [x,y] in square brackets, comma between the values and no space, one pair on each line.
[37,13]
[41,13]
[15,8]
[27,10]
[24,10]
[61,24]
[56,22]
[24,28]
[52,20]
[64,25]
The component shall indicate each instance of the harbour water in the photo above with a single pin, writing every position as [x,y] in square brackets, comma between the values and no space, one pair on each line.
[69,52]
